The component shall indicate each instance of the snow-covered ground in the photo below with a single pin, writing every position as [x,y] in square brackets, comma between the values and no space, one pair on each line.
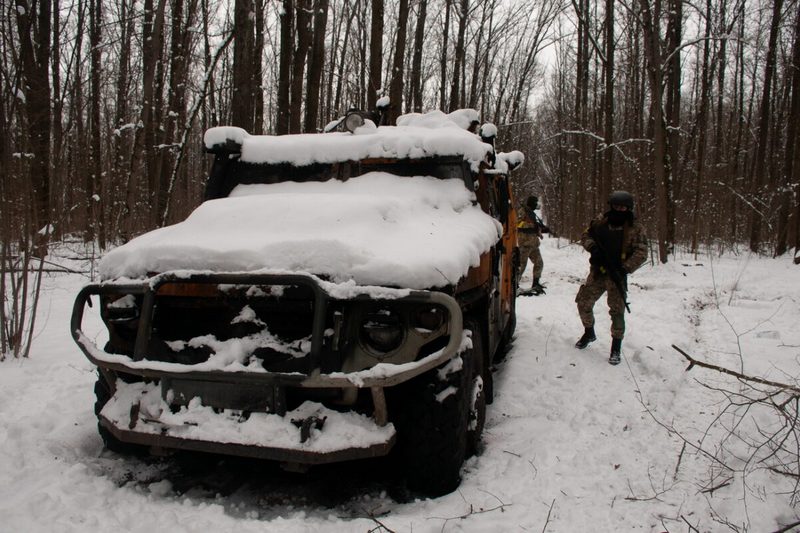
[571,443]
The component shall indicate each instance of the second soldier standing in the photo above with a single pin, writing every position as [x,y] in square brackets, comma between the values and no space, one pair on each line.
[529,234]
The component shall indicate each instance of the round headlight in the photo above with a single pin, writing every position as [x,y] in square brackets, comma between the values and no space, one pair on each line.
[382,332]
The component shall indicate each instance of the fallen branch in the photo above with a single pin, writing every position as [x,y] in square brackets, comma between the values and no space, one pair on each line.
[738,375]
[710,490]
[691,527]
[678,464]
[381,526]
[787,527]
[547,520]
[472,511]
[793,475]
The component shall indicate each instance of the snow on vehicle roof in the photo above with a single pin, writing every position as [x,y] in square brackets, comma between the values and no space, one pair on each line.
[376,229]
[415,136]
[506,161]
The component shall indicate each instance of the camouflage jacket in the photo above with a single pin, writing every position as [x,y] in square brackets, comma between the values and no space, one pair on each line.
[627,254]
[532,224]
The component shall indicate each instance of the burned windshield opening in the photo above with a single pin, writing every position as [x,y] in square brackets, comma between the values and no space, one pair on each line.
[227,173]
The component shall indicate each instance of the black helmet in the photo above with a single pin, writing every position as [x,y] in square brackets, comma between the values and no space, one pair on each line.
[621,198]
[532,202]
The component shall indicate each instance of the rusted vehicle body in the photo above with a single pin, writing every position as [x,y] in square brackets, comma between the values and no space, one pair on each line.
[305,363]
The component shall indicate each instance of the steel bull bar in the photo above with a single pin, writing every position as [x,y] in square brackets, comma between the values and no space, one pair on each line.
[376,378]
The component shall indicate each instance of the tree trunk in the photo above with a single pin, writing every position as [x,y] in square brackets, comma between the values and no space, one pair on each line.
[337,102]
[487,19]
[258,74]
[303,13]
[456,82]
[416,61]
[443,59]
[791,173]
[608,105]
[34,27]
[243,92]
[58,93]
[95,195]
[152,36]
[673,112]
[660,164]
[578,156]
[120,173]
[315,65]
[705,82]
[176,98]
[375,53]
[79,163]
[285,68]
[760,163]
[396,85]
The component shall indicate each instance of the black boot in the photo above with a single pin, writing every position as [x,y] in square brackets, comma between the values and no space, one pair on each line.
[587,338]
[616,348]
[537,288]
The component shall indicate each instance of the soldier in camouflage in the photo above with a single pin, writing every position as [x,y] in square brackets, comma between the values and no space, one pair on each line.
[529,234]
[618,246]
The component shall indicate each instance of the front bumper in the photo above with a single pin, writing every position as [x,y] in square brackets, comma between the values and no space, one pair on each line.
[138,413]
[310,434]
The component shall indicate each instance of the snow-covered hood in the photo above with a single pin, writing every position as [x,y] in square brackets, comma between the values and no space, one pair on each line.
[376,229]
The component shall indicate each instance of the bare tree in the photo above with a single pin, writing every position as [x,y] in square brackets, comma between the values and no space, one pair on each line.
[456,81]
[143,160]
[97,221]
[34,32]
[792,166]
[315,65]
[672,78]
[375,53]
[304,34]
[416,62]
[759,166]
[396,85]
[245,85]
[607,172]
[661,169]
[285,72]
[443,58]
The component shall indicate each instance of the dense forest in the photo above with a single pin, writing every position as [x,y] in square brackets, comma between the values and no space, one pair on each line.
[692,107]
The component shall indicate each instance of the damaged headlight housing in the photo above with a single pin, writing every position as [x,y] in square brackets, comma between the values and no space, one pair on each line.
[398,332]
[382,332]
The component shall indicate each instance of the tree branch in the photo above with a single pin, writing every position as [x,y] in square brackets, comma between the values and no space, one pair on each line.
[737,375]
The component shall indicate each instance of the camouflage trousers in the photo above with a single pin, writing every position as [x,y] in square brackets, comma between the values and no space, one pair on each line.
[592,289]
[529,249]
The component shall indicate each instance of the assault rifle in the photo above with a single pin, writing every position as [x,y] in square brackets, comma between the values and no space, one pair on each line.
[613,271]
[535,218]
[542,225]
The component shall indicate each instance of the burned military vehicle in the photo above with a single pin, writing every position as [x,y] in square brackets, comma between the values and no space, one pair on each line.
[338,296]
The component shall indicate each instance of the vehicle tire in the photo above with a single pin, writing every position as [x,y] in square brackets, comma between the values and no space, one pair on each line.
[481,357]
[430,414]
[102,394]
[507,337]
[481,389]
